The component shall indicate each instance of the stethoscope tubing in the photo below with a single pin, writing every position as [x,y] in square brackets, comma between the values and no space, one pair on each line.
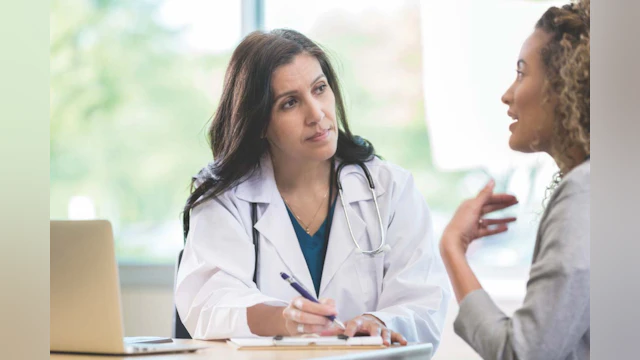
[383,247]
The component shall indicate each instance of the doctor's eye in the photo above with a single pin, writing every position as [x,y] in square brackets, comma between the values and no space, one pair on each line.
[289,104]
[321,88]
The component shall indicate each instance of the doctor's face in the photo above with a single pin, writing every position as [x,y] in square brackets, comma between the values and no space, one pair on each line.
[303,118]
[532,128]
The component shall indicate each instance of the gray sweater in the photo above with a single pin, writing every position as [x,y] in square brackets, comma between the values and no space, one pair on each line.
[553,322]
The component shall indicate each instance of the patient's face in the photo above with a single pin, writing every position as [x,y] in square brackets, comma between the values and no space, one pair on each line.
[532,128]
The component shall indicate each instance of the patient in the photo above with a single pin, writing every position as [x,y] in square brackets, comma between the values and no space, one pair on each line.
[549,103]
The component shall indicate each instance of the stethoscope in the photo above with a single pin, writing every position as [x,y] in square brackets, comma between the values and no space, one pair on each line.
[383,246]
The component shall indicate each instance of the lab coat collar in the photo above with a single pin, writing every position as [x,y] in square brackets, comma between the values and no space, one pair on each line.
[261,188]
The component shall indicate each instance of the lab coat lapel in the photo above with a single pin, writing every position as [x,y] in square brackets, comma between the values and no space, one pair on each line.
[274,224]
[340,242]
[341,246]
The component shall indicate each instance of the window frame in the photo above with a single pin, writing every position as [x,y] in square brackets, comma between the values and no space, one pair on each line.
[138,274]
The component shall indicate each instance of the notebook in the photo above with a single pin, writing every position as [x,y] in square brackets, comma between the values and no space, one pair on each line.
[307,342]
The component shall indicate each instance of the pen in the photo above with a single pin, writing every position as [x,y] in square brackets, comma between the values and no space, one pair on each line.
[308,296]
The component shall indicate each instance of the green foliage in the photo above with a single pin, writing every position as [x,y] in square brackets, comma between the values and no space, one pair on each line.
[128,111]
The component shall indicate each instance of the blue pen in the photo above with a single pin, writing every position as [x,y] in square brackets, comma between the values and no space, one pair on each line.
[308,296]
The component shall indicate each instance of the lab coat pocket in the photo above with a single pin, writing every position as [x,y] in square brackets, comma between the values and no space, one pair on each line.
[370,270]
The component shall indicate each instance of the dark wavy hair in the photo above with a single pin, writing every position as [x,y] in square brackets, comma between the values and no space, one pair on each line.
[245,106]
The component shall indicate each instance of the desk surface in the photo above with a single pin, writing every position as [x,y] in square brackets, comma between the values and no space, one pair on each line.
[220,350]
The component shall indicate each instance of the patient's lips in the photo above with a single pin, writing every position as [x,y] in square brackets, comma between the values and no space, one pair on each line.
[515,118]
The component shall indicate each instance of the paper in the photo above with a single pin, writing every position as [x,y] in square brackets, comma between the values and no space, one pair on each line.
[307,341]
[258,341]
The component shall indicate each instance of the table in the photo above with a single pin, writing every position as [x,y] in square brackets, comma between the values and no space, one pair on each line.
[218,349]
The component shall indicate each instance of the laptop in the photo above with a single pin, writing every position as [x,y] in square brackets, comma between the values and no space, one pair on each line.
[86,312]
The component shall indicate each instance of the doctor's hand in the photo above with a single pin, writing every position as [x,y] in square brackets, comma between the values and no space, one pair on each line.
[306,317]
[368,325]
[467,223]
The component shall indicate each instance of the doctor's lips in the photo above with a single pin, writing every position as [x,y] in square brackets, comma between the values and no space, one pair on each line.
[321,135]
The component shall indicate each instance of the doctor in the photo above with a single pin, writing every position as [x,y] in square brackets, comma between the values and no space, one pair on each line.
[278,138]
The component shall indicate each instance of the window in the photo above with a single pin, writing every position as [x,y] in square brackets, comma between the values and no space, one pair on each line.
[133,84]
[423,82]
[468,63]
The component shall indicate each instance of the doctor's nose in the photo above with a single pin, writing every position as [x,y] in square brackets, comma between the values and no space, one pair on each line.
[315,114]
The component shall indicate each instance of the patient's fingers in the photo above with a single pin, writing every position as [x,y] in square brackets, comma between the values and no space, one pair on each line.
[488,232]
[486,209]
[489,222]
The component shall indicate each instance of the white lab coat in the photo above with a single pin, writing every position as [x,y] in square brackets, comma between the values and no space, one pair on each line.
[407,287]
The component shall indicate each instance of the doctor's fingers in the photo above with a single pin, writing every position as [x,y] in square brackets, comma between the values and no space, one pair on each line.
[395,337]
[386,336]
[326,308]
[372,328]
[298,328]
[327,301]
[353,326]
[302,317]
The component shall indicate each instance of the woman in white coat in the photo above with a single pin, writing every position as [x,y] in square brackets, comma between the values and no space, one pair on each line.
[278,136]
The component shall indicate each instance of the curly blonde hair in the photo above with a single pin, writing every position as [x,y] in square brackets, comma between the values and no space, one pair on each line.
[566,58]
